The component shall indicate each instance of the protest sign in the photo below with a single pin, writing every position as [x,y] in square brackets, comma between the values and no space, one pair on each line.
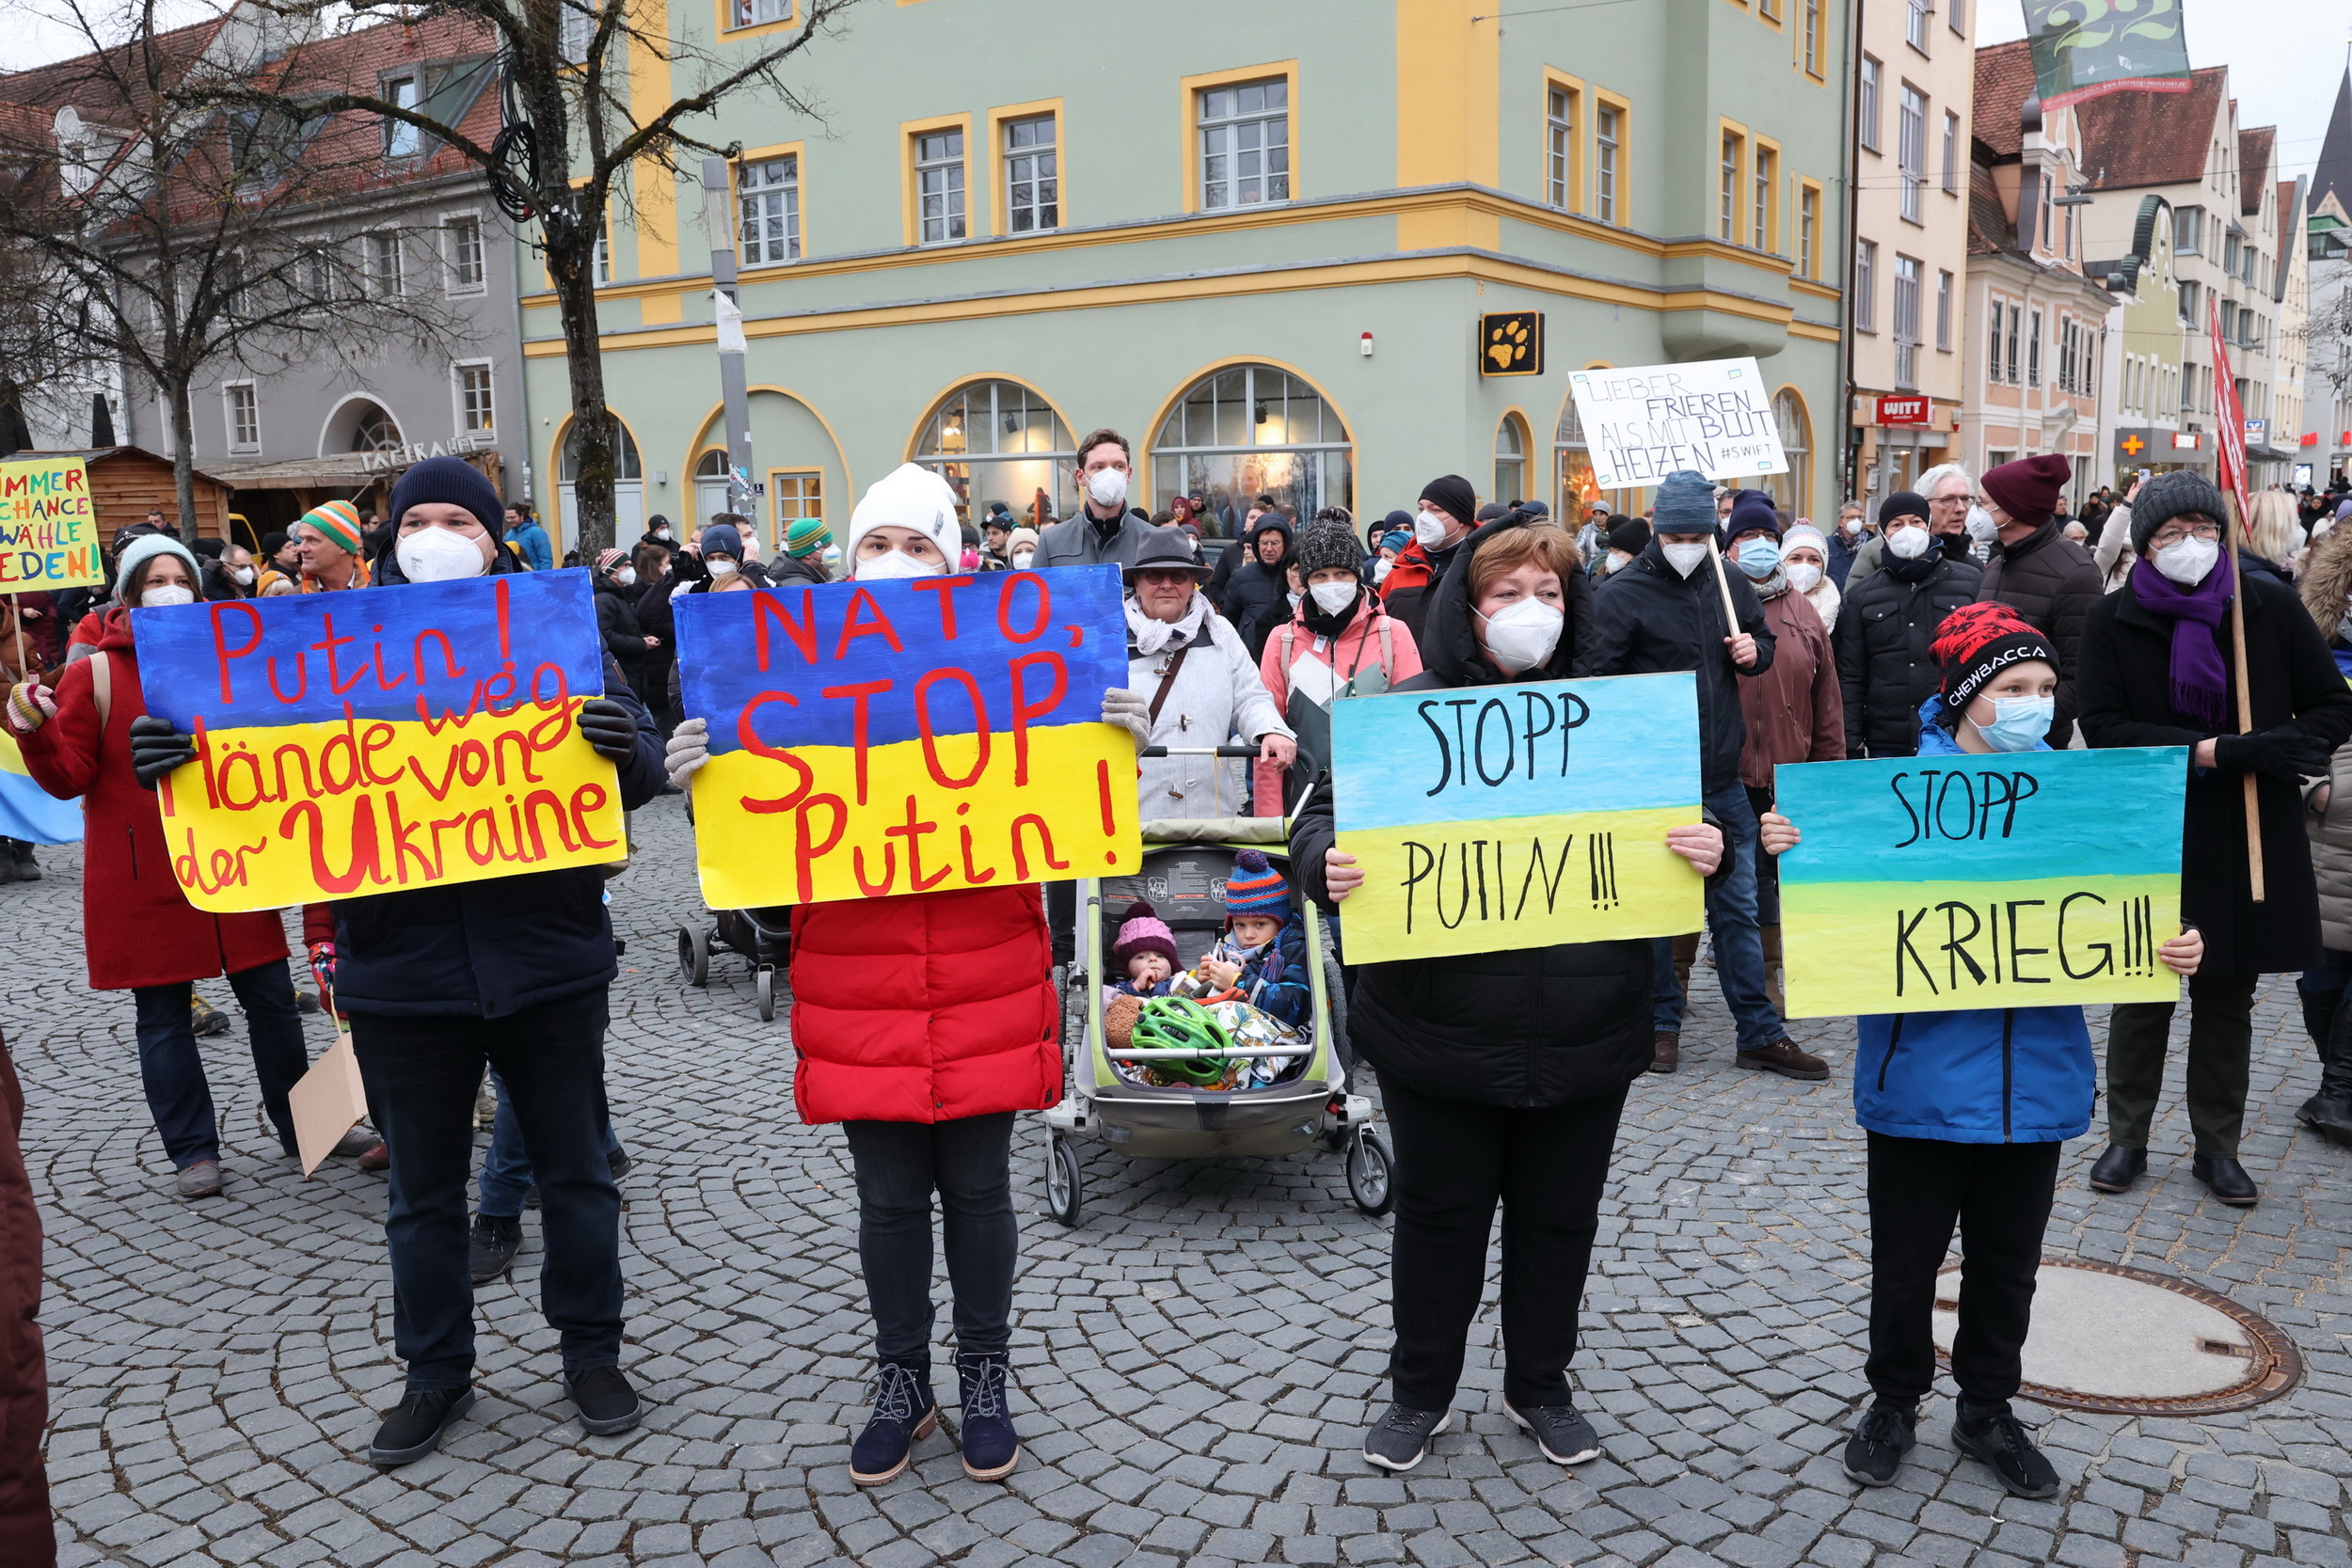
[354,743]
[1645,422]
[1522,815]
[47,528]
[28,812]
[873,739]
[2015,879]
[327,1102]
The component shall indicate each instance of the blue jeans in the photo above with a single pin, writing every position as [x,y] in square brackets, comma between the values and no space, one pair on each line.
[1738,945]
[2331,979]
[173,1071]
[507,1168]
[422,1073]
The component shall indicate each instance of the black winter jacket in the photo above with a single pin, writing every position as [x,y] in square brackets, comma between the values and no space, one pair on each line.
[2127,701]
[1535,1027]
[1884,669]
[1648,618]
[487,949]
[2053,582]
[616,622]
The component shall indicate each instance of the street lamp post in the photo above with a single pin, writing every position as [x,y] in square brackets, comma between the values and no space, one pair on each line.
[734,385]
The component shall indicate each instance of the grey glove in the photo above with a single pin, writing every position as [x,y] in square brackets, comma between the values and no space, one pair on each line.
[1128,710]
[689,749]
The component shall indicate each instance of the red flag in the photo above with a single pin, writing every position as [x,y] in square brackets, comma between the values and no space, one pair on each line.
[2231,461]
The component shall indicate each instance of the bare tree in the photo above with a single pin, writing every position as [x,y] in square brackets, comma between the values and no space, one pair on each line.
[571,137]
[179,234]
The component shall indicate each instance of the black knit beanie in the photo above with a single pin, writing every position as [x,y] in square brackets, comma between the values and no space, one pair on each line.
[1453,493]
[2167,496]
[1327,542]
[449,480]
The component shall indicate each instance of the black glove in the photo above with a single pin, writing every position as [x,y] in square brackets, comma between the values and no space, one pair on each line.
[156,749]
[686,566]
[610,730]
[2282,754]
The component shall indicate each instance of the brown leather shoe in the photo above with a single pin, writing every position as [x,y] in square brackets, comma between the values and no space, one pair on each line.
[378,1158]
[1782,1056]
[1665,1052]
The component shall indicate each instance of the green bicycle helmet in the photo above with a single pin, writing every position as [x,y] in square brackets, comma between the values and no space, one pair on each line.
[1173,1023]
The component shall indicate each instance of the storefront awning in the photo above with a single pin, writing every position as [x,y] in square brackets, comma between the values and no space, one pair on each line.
[2271,454]
[344,470]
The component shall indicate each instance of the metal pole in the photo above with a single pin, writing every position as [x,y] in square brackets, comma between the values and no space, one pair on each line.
[734,385]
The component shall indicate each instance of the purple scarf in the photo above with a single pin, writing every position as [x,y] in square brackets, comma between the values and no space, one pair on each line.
[2199,679]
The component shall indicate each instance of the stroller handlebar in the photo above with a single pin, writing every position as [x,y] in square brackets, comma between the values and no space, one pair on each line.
[1198,751]
[1239,1054]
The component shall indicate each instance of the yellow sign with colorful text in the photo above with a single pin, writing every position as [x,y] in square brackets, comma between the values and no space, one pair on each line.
[47,528]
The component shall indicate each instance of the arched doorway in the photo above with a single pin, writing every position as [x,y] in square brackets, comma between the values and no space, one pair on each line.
[360,424]
[1789,491]
[629,488]
[711,493]
[1511,444]
[1248,431]
[998,441]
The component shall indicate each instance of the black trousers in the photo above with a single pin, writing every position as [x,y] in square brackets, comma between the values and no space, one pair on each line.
[2220,1062]
[1455,1162]
[421,1074]
[1998,1196]
[968,1162]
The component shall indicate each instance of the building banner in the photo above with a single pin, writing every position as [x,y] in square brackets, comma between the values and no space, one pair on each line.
[1521,816]
[2086,48]
[396,737]
[1645,422]
[874,740]
[48,527]
[2017,879]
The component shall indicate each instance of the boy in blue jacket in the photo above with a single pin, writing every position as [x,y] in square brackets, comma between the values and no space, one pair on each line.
[1965,1113]
[1262,958]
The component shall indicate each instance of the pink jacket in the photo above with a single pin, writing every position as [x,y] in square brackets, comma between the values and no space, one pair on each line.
[1373,638]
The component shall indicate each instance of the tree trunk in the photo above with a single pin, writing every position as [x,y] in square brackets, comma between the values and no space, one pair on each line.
[183,460]
[591,434]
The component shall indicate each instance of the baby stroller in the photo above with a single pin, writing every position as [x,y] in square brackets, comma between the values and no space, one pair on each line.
[1183,875]
[763,935]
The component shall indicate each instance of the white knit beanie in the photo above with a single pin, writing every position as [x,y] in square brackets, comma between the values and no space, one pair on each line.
[148,545]
[912,496]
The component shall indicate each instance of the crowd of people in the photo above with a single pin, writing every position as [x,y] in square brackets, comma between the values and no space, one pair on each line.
[1963,617]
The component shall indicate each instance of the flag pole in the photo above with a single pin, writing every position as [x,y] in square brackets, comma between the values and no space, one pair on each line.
[2230,468]
[2245,716]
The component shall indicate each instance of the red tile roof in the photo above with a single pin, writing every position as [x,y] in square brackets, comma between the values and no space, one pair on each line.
[2004,82]
[2254,165]
[2151,138]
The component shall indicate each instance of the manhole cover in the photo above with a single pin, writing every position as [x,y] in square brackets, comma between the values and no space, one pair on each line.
[2108,1338]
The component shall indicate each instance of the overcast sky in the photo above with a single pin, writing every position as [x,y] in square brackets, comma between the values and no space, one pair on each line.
[2285,56]
[2285,59]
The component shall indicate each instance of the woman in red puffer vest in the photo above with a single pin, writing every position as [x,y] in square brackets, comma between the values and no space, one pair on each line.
[923,1024]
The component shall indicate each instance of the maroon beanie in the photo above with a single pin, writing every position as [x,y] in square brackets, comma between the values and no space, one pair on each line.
[2030,489]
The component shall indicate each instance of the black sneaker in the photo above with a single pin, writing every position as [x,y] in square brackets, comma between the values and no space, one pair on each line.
[1876,1449]
[1400,1439]
[413,1428]
[2000,1441]
[490,1250]
[904,1411]
[605,1401]
[1560,1430]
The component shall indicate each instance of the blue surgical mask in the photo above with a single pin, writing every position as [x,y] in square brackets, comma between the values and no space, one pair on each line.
[1757,556]
[2019,724]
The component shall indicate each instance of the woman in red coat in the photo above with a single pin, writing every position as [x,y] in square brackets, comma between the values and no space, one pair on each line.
[923,1024]
[138,931]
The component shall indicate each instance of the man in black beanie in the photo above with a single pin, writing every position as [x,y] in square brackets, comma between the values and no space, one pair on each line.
[1448,508]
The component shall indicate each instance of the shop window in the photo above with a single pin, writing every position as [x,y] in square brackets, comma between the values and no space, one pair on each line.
[998,441]
[1248,431]
[1789,491]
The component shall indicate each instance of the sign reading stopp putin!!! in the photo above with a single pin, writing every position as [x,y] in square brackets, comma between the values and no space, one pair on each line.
[1646,422]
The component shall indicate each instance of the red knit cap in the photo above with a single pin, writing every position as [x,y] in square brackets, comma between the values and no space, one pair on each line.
[1978,641]
[2030,489]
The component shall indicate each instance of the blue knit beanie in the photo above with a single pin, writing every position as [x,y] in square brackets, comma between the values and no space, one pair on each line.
[453,481]
[1751,513]
[722,539]
[1686,504]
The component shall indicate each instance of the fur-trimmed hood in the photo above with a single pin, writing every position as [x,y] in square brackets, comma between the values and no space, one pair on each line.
[2327,579]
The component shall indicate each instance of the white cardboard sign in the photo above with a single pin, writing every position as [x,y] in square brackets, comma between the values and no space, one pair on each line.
[1642,422]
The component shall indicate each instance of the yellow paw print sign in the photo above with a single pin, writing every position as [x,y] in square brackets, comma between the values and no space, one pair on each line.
[1511,343]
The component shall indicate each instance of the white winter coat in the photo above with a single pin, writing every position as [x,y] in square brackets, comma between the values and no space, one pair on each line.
[1216,696]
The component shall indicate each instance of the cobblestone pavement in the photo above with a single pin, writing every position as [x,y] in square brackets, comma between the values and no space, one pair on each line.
[1197,1363]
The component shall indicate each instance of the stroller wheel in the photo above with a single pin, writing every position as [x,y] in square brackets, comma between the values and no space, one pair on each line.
[1371,1174]
[1064,1187]
[767,994]
[693,954]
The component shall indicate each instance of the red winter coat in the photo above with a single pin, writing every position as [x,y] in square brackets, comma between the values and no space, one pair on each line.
[930,1007]
[137,928]
[27,1538]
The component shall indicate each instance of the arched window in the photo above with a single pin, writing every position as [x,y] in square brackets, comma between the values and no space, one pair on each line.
[1511,446]
[1248,431]
[998,441]
[629,486]
[1789,491]
[1573,464]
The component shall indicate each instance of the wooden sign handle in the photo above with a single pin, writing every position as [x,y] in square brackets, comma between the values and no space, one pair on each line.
[1731,616]
[2245,725]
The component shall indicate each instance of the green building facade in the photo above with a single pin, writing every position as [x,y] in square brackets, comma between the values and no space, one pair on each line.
[1265,241]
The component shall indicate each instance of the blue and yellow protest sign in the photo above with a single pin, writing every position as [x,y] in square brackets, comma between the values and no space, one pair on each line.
[47,528]
[2015,879]
[1522,815]
[869,740]
[27,810]
[394,737]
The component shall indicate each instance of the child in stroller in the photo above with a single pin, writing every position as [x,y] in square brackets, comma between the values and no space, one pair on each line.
[1146,949]
[1262,957]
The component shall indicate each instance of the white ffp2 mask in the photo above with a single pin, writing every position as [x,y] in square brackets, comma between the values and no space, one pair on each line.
[1332,597]
[1428,529]
[1521,636]
[1908,544]
[162,594]
[1109,487]
[1684,559]
[437,555]
[897,563]
[2187,561]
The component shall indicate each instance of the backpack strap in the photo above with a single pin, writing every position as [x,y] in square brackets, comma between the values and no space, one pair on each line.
[101,685]
[1387,649]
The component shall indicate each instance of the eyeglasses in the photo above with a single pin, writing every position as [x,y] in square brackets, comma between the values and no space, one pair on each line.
[2193,530]
[1953,501]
